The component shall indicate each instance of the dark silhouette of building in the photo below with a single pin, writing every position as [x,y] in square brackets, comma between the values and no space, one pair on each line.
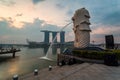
[109,41]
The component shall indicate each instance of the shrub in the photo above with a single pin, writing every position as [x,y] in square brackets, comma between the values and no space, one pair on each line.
[94,54]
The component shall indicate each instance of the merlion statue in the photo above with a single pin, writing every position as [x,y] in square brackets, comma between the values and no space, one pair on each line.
[81,28]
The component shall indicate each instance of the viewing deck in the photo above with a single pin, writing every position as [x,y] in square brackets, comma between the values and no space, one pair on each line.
[9,51]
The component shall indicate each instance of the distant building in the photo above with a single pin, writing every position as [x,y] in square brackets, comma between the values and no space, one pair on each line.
[62,37]
[46,38]
[54,36]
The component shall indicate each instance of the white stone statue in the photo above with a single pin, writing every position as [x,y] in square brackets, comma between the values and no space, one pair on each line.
[81,28]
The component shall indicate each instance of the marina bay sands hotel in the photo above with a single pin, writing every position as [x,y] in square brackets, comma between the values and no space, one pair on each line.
[54,36]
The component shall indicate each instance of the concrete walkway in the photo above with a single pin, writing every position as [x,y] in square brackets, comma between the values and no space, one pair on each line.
[85,71]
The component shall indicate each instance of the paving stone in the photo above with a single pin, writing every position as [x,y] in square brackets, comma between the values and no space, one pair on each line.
[85,71]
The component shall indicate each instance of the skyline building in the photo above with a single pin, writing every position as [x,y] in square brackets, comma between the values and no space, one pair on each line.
[54,36]
[46,36]
[62,37]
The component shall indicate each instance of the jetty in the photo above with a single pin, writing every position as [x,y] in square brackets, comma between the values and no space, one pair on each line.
[9,51]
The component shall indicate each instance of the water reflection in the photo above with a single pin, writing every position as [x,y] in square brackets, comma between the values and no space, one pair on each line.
[62,48]
[54,49]
[26,61]
[5,58]
[13,68]
[45,49]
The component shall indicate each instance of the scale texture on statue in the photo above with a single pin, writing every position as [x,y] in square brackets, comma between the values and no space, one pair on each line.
[81,28]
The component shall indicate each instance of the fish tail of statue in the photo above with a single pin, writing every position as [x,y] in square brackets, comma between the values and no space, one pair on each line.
[81,28]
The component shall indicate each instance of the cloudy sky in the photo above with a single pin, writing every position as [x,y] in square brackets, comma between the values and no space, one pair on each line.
[23,19]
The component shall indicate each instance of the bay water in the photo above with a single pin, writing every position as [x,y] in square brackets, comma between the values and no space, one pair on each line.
[26,61]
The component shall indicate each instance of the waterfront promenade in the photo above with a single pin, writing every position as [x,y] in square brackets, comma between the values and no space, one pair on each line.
[84,71]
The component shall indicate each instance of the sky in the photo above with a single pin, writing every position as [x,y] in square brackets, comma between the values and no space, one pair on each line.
[24,19]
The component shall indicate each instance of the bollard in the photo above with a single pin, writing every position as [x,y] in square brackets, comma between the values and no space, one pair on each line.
[35,72]
[15,77]
[60,64]
[50,68]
